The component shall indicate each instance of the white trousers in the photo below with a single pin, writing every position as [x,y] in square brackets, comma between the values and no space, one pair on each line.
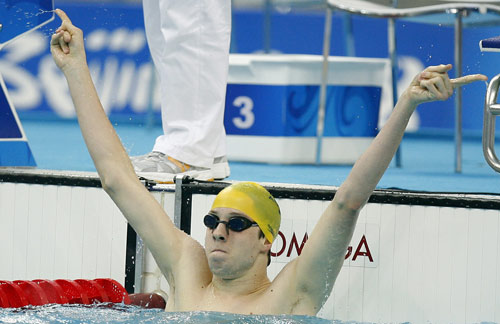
[189,44]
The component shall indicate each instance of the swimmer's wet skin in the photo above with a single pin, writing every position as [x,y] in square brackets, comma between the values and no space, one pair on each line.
[229,274]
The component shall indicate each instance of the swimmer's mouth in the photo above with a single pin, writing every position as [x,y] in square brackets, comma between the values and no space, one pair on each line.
[218,250]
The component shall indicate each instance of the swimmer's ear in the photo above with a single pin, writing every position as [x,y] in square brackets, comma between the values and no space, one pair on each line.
[267,244]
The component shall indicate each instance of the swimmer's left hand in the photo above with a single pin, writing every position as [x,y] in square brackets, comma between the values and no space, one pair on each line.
[434,84]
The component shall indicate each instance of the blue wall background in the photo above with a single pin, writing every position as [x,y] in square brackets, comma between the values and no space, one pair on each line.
[119,59]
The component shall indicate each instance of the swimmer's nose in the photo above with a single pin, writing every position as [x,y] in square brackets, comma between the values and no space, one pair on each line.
[220,232]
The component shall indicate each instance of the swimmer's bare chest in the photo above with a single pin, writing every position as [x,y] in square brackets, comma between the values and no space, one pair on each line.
[269,301]
[191,290]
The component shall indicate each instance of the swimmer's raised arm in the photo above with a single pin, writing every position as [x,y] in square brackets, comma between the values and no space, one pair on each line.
[322,257]
[111,161]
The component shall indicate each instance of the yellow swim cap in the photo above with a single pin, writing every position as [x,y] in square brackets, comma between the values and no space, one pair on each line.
[256,202]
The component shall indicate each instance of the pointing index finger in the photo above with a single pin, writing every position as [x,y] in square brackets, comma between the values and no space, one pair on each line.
[458,82]
[62,15]
[66,23]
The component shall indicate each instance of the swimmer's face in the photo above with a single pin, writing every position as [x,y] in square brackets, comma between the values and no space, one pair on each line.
[230,253]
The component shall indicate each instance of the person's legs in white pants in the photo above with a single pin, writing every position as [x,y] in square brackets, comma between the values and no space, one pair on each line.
[189,44]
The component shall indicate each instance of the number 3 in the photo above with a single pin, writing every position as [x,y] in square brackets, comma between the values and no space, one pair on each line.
[246,105]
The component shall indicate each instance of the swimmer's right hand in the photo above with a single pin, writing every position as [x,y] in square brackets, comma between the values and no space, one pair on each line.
[66,44]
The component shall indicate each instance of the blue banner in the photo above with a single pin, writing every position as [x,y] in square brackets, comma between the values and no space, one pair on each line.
[9,128]
[20,16]
[14,148]
[120,64]
[271,110]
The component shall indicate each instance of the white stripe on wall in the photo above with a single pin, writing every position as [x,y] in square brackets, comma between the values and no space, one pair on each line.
[53,232]
[431,264]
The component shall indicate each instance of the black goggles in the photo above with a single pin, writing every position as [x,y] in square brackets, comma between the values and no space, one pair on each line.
[235,224]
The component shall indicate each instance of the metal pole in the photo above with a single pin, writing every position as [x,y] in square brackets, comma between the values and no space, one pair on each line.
[179,180]
[233,48]
[324,81]
[491,111]
[458,94]
[391,39]
[267,26]
[150,113]
[350,49]
[140,251]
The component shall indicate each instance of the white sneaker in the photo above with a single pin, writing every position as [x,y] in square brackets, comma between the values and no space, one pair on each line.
[159,167]
[220,168]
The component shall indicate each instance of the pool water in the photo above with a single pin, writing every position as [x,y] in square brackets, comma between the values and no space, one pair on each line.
[117,313]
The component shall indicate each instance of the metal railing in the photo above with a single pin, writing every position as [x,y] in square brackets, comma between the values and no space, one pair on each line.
[491,110]
[460,11]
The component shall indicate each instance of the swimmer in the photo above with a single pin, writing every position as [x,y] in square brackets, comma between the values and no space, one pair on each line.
[229,274]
